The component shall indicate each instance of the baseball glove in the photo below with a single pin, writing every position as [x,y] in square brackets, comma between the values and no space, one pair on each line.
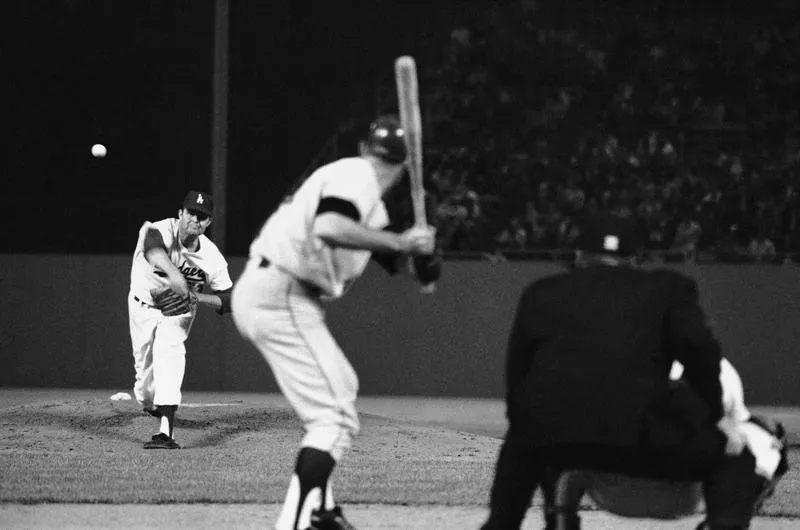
[172,304]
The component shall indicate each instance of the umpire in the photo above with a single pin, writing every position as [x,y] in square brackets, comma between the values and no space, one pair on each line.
[587,375]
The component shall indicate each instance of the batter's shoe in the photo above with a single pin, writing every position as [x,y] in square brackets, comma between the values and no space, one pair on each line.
[161,441]
[330,520]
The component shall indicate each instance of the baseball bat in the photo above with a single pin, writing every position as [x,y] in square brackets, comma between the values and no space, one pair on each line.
[405,69]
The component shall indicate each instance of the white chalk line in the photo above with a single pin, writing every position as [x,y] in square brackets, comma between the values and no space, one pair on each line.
[199,405]
[124,396]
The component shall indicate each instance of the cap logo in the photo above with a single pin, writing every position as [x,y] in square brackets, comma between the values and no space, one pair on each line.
[199,198]
[611,243]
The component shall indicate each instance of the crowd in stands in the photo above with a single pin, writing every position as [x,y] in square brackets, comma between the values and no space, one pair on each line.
[689,126]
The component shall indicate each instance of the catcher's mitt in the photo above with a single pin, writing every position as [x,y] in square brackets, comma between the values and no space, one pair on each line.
[172,304]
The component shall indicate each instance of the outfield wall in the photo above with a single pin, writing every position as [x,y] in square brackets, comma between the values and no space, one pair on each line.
[63,323]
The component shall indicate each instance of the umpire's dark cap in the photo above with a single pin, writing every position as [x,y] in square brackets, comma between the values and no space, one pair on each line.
[609,234]
[200,202]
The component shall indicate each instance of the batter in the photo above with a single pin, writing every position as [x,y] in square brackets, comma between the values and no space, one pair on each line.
[309,251]
[171,254]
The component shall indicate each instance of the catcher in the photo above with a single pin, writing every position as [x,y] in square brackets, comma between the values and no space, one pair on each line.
[172,263]
[587,388]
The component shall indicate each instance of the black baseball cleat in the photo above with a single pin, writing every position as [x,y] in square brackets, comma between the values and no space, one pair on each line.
[330,520]
[161,441]
[153,412]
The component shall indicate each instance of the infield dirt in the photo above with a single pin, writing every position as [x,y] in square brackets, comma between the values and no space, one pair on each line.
[73,458]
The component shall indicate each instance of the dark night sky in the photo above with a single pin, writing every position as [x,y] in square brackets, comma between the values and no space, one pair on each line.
[136,75]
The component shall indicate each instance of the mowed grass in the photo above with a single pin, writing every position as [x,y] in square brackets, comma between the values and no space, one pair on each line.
[90,451]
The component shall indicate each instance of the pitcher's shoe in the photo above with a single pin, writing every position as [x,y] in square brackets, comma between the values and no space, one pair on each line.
[330,520]
[161,441]
[152,411]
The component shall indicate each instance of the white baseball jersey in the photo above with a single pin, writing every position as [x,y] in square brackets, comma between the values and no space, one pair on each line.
[287,237]
[206,264]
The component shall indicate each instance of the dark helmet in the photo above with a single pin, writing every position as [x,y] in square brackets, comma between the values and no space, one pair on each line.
[386,139]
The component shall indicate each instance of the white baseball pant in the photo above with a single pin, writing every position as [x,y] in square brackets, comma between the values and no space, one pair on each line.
[159,353]
[285,319]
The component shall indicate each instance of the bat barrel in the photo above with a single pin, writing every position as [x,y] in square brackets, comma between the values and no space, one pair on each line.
[411,120]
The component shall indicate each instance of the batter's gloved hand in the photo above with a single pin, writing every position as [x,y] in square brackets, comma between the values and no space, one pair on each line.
[419,240]
[172,304]
[428,267]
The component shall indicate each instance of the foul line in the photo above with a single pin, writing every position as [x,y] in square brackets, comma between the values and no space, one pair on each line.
[196,405]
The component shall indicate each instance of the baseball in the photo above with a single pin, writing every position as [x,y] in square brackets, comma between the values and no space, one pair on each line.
[99,150]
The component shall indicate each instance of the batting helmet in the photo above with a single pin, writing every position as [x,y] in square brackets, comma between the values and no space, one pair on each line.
[386,139]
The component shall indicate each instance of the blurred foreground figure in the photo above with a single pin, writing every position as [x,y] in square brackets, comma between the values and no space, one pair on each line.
[309,252]
[590,397]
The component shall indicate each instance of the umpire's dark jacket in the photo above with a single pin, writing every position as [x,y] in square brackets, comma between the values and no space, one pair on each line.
[590,352]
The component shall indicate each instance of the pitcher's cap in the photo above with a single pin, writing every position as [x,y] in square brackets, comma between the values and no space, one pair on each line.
[200,202]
